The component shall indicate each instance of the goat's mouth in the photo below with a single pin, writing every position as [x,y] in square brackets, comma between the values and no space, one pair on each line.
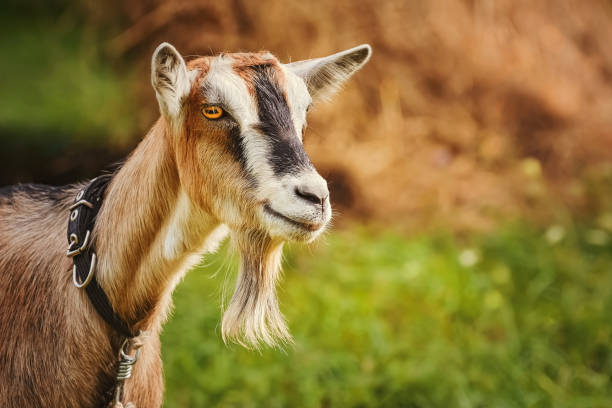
[310,227]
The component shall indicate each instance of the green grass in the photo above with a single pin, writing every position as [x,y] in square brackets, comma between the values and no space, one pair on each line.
[56,82]
[503,320]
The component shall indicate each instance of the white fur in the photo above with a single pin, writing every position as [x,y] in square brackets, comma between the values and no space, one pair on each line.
[253,312]
[171,80]
[325,76]
[179,222]
[186,225]
[298,97]
[222,85]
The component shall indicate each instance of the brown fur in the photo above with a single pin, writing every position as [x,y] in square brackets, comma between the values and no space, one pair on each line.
[54,349]
[52,353]
[244,63]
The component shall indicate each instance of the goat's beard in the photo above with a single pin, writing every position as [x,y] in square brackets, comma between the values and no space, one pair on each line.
[252,316]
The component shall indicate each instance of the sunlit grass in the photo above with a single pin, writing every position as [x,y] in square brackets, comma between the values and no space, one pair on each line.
[511,319]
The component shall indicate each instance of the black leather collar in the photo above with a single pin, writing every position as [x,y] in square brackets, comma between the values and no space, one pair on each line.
[81,249]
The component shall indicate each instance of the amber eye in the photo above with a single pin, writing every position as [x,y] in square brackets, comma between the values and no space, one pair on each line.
[212,112]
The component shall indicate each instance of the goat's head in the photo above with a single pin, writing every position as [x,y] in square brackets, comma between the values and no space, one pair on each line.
[237,122]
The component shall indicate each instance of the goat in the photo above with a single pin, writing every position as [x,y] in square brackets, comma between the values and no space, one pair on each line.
[224,158]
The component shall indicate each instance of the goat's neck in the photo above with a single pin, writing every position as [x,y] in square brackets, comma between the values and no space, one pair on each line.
[148,234]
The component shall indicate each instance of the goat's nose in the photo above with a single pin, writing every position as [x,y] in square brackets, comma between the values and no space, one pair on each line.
[316,193]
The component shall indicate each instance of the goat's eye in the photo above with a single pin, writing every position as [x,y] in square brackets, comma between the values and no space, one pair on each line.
[212,112]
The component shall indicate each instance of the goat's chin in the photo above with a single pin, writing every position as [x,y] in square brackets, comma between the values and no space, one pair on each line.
[295,235]
[279,226]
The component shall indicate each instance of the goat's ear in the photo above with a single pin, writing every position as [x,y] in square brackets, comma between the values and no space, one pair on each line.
[324,76]
[170,79]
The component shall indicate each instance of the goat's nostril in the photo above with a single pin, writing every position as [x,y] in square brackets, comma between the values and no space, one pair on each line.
[311,195]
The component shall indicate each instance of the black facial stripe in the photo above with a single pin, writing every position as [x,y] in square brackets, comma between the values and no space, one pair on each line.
[237,149]
[237,146]
[287,153]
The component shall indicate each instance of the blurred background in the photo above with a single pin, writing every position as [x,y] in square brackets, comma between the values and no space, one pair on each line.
[470,166]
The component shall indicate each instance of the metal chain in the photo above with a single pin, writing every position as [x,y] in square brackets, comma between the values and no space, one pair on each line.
[120,405]
[124,368]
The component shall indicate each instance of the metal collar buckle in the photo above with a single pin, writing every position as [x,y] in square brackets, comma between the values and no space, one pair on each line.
[79,203]
[90,274]
[74,240]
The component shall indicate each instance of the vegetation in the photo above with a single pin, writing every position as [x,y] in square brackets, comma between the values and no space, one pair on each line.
[517,318]
[60,85]
[468,115]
